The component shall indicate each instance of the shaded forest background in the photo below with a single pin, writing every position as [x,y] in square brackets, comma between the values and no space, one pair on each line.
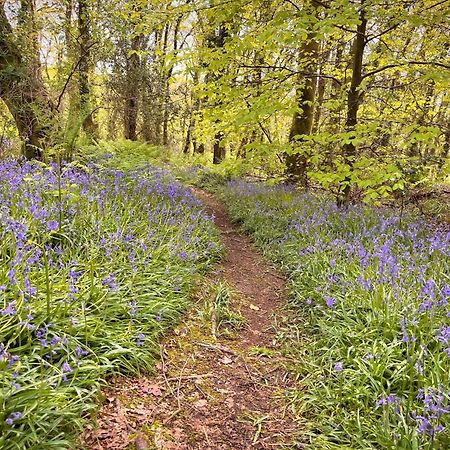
[349,95]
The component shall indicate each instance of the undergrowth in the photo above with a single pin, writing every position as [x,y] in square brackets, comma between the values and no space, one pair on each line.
[372,287]
[95,263]
[218,311]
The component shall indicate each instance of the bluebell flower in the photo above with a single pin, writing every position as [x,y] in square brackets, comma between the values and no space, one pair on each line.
[139,339]
[330,301]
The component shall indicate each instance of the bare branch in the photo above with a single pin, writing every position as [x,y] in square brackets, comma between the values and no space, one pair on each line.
[72,73]
[418,63]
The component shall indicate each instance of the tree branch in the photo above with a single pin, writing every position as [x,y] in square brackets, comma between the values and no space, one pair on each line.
[305,74]
[72,73]
[418,63]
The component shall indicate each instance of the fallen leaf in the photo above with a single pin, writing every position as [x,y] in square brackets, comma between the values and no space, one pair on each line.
[158,439]
[224,391]
[153,389]
[201,403]
[141,443]
[254,307]
[226,360]
[229,402]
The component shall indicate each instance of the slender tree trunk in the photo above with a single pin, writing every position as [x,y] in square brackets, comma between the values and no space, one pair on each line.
[24,93]
[29,36]
[131,99]
[113,118]
[149,99]
[446,146]
[296,162]
[84,70]
[166,88]
[148,129]
[219,150]
[161,40]
[68,55]
[197,104]
[68,40]
[354,100]
[335,117]
[321,85]
[187,142]
[167,83]
[414,150]
[72,53]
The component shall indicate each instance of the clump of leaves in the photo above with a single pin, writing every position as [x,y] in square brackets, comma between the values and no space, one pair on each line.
[218,310]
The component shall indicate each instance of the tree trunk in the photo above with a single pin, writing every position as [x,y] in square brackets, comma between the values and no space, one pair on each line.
[84,69]
[166,88]
[335,114]
[131,99]
[28,36]
[167,82]
[219,151]
[156,88]
[197,104]
[191,126]
[296,163]
[414,150]
[24,93]
[353,100]
[187,142]
[321,85]
[149,98]
[446,146]
[148,129]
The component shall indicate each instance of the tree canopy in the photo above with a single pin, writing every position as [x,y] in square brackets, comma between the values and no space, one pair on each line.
[350,95]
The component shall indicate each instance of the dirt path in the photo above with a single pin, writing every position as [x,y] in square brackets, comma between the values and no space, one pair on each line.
[219,385]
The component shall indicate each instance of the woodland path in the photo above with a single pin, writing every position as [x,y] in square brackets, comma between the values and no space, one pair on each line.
[211,391]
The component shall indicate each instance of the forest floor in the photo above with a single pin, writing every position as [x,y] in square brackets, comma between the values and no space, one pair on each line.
[215,387]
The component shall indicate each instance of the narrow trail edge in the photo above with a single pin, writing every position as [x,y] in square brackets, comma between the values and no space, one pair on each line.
[211,392]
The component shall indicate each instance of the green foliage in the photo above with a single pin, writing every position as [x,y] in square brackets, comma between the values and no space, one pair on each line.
[122,154]
[218,310]
[95,263]
[249,85]
[371,289]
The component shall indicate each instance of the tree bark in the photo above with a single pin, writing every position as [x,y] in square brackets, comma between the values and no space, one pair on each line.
[446,146]
[414,150]
[131,99]
[296,163]
[167,83]
[196,106]
[149,98]
[166,87]
[187,142]
[353,100]
[219,150]
[24,93]
[335,114]
[321,86]
[84,70]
